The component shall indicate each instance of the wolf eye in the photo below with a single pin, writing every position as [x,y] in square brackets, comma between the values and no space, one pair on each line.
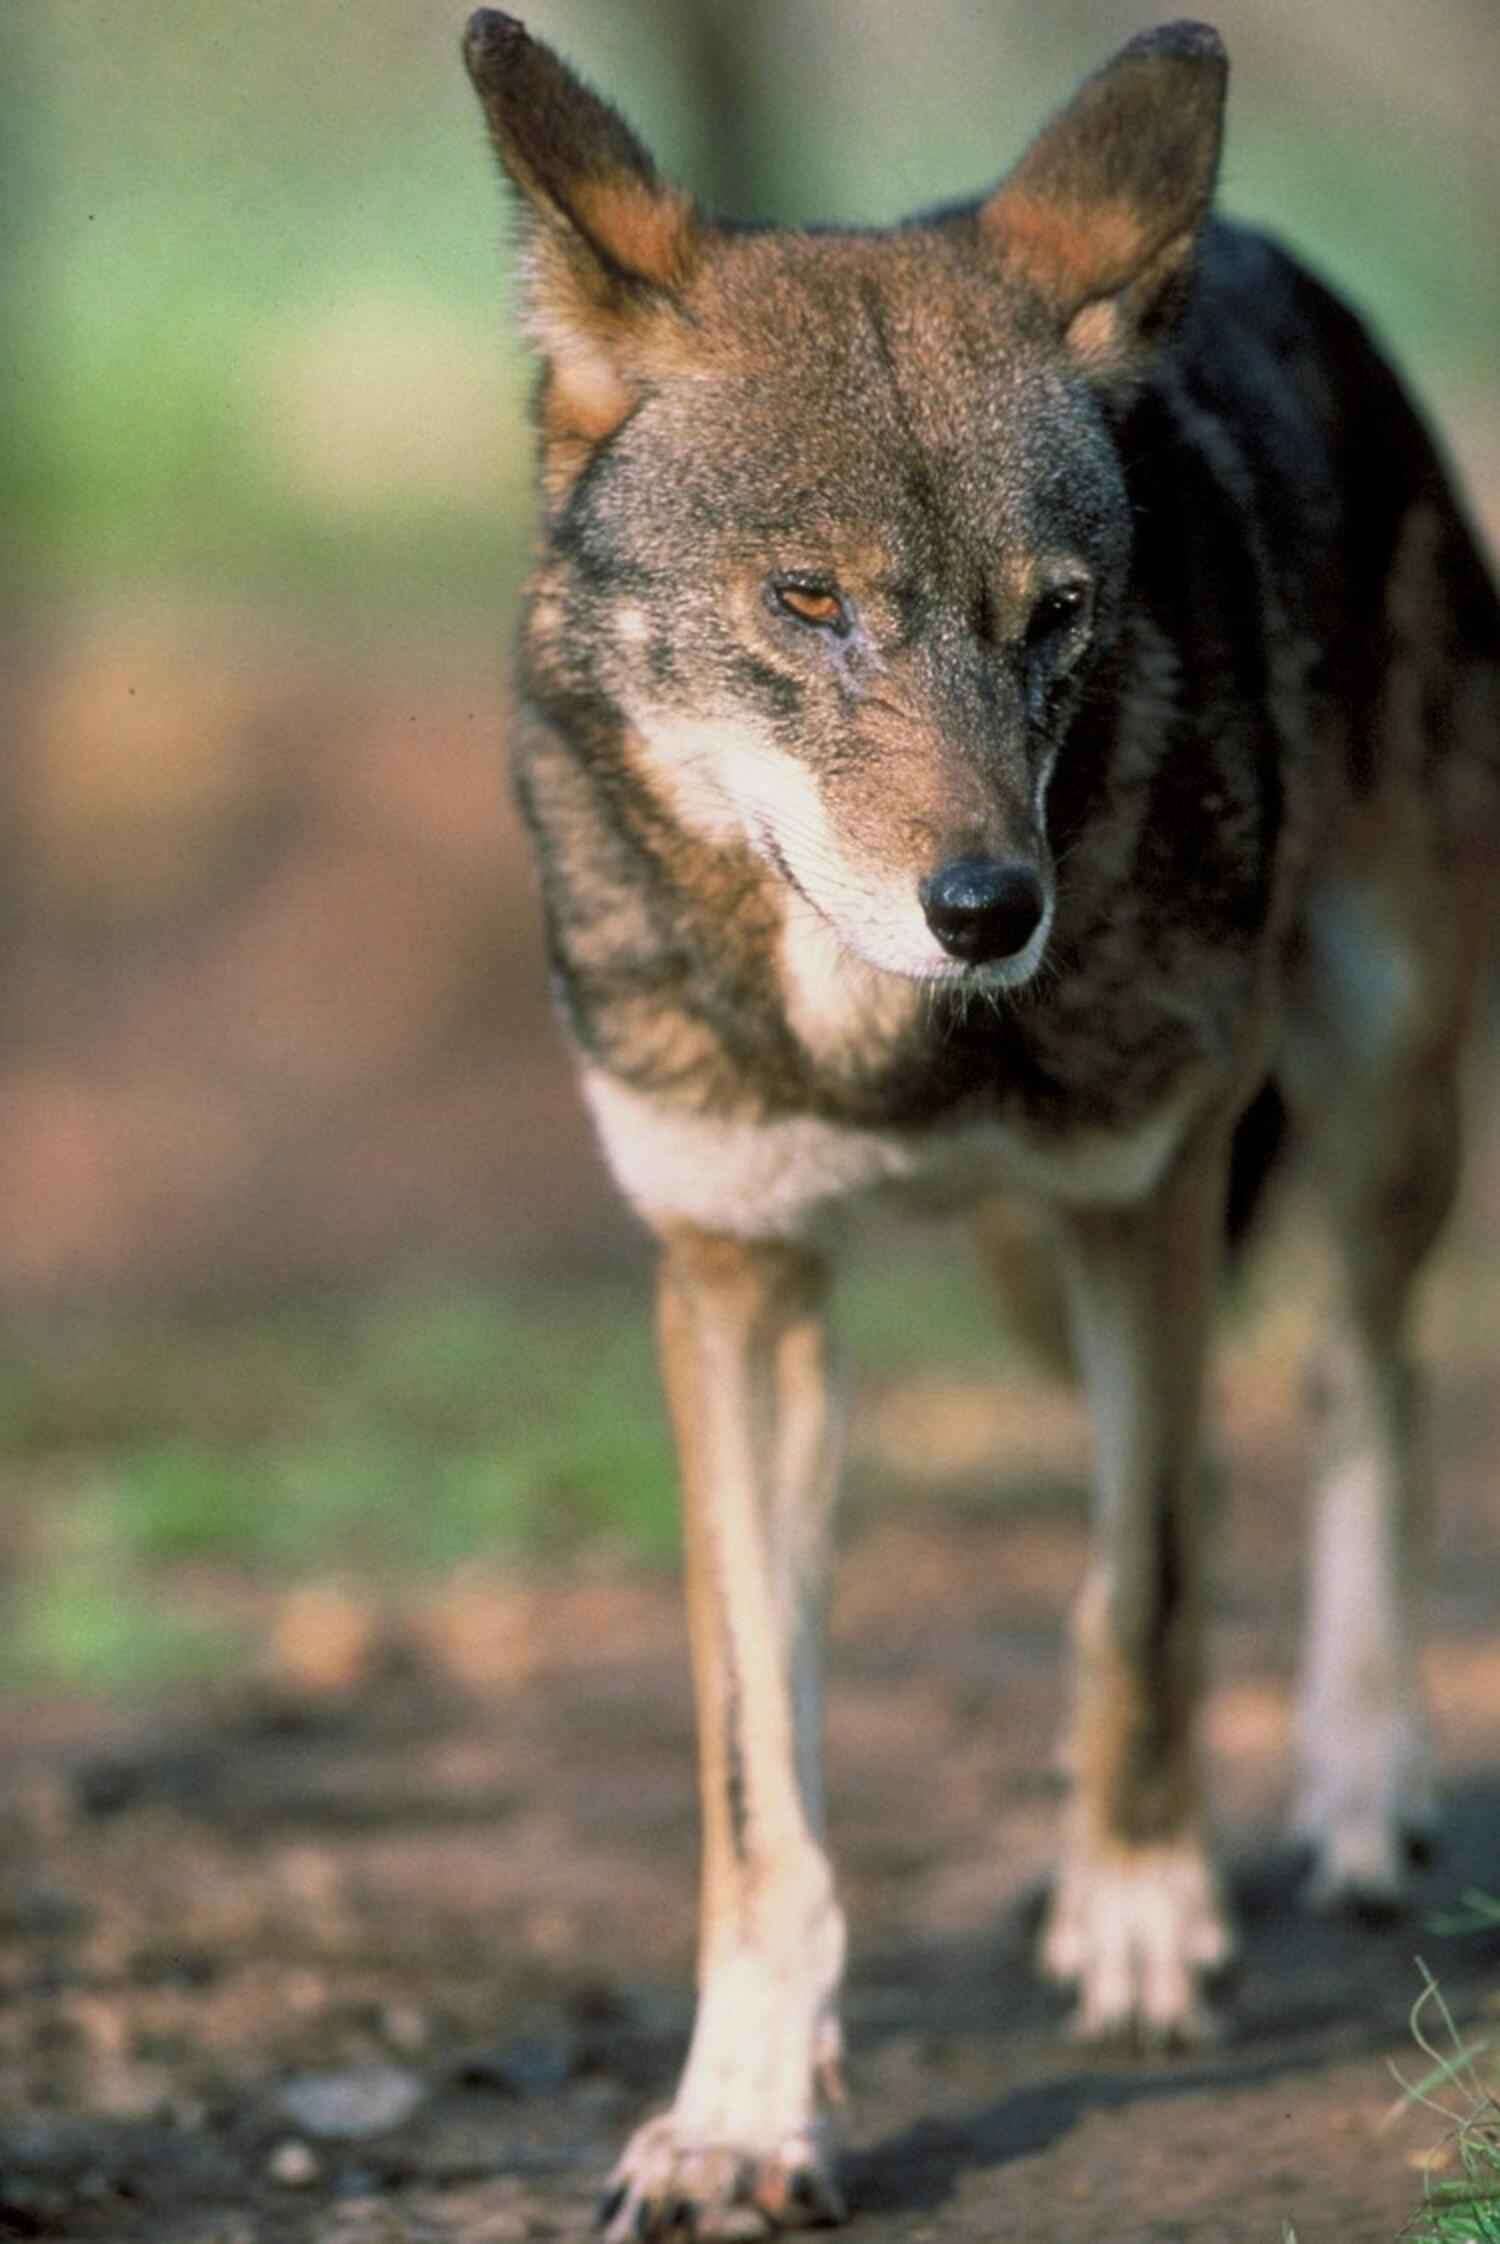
[1055,613]
[812,604]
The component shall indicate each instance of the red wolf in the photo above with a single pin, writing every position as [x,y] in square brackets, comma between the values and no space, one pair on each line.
[1008,705]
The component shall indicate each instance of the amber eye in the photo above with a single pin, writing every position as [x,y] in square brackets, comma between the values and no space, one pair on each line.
[812,604]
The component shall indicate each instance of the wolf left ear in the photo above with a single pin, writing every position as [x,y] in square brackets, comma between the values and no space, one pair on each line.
[1100,215]
[605,241]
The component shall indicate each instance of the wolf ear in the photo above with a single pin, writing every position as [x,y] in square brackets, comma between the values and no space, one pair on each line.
[605,242]
[1101,213]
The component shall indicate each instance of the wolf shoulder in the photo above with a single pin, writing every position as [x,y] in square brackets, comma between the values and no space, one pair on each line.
[1282,355]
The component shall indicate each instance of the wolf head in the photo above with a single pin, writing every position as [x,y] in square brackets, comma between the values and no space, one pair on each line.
[836,525]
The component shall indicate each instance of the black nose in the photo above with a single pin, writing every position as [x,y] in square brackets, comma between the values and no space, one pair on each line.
[981,911]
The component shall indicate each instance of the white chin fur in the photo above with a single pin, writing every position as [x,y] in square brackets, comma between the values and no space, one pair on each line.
[916,957]
[728,783]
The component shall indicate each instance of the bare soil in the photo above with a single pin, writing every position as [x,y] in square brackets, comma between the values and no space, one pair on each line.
[402,1961]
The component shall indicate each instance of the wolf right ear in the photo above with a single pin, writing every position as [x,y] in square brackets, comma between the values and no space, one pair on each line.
[1100,215]
[605,241]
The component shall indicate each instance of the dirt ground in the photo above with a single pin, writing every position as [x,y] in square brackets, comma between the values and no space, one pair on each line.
[401,1964]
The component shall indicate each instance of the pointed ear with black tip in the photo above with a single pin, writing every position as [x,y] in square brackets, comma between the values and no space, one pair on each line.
[605,242]
[1100,215]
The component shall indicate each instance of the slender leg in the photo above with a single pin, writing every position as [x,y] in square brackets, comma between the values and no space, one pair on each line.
[1136,1919]
[744,2147]
[1380,1004]
[1367,1790]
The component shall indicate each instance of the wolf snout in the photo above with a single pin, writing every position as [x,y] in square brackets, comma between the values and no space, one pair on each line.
[982,910]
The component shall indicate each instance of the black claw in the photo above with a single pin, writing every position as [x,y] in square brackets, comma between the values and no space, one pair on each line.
[1422,1848]
[682,2217]
[810,2193]
[645,2219]
[609,2205]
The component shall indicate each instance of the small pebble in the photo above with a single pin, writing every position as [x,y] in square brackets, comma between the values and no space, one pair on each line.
[293,2165]
[353,2105]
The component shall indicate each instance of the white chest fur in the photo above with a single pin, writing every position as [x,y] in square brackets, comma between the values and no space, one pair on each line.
[786,1178]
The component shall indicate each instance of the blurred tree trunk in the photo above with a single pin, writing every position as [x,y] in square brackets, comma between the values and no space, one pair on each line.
[718,47]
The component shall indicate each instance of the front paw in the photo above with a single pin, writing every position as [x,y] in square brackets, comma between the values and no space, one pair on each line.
[1138,1931]
[668,2184]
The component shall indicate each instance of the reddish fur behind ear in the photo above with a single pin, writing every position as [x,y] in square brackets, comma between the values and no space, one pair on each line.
[605,242]
[1100,214]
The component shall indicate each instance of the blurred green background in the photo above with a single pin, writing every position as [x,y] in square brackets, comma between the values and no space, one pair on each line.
[307,1258]
[260,313]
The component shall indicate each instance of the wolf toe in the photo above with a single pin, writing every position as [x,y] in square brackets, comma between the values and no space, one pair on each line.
[667,2185]
[1139,1932]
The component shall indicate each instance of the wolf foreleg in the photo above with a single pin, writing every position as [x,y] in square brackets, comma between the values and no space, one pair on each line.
[744,1355]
